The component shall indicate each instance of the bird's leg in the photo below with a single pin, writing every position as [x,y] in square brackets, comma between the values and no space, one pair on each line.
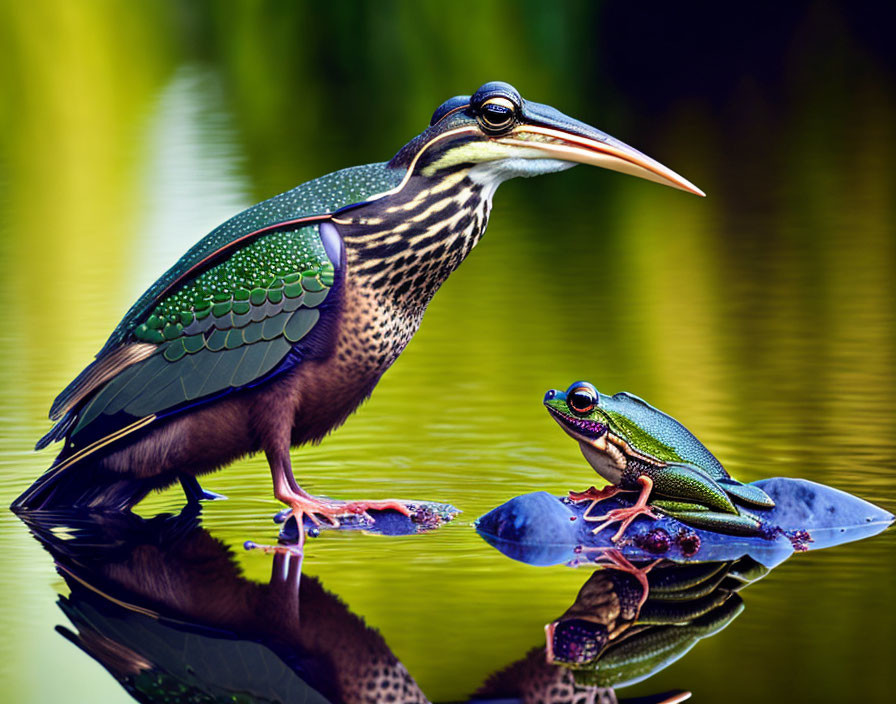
[286,577]
[196,493]
[300,503]
[624,515]
[592,494]
[303,504]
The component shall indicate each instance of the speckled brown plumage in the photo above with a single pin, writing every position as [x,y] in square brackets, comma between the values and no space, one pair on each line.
[531,680]
[397,256]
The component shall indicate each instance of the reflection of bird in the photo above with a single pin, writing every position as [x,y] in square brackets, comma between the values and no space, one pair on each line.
[533,680]
[164,607]
[270,331]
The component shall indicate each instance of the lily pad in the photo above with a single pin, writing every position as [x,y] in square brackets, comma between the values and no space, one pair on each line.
[541,529]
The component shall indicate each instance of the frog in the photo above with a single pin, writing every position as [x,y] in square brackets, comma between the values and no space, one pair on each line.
[636,447]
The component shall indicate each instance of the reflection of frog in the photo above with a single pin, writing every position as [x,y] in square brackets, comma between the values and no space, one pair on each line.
[636,447]
[605,608]
[629,621]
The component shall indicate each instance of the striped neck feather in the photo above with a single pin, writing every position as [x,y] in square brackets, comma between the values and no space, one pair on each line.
[406,245]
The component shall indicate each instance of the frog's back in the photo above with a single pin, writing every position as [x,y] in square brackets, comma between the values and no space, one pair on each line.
[665,429]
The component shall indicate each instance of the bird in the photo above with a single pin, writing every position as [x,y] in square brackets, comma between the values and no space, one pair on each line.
[272,329]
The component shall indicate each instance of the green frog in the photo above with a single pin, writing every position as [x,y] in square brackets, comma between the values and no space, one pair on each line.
[636,447]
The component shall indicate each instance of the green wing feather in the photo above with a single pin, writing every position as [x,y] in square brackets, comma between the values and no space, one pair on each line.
[231,326]
[322,196]
[316,198]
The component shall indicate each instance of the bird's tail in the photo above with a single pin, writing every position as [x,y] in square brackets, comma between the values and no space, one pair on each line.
[58,431]
[84,485]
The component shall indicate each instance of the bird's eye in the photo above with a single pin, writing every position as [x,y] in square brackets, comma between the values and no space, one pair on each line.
[497,115]
[581,399]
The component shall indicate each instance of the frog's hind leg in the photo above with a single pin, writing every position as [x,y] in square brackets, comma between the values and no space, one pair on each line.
[624,515]
[749,494]
[742,523]
[686,482]
[699,516]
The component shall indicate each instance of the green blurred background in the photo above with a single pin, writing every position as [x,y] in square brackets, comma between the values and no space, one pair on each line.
[761,316]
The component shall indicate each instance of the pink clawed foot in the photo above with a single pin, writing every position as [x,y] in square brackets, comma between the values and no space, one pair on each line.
[276,549]
[323,510]
[624,515]
[316,509]
[362,507]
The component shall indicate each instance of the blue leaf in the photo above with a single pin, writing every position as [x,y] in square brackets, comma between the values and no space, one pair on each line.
[540,529]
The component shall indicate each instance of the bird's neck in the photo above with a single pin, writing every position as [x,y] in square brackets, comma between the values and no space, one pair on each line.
[403,247]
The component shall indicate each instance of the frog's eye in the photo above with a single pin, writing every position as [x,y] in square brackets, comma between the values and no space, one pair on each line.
[581,399]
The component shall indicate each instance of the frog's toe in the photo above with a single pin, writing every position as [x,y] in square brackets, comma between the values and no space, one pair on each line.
[737,524]
[747,493]
[623,516]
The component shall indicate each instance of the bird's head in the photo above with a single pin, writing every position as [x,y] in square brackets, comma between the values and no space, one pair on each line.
[497,135]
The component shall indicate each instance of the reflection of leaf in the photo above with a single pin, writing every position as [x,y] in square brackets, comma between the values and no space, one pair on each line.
[540,529]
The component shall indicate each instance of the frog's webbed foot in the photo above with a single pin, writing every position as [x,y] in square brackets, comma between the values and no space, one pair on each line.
[624,516]
[592,494]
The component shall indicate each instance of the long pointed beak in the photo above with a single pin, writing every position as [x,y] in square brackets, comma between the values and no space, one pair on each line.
[613,155]
[558,136]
